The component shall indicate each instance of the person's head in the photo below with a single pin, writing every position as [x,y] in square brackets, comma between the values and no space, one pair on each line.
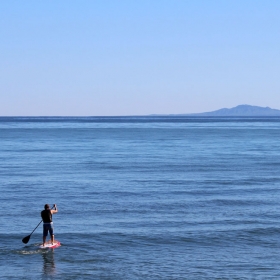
[47,206]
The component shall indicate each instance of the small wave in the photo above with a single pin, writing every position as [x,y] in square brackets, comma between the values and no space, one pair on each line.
[28,252]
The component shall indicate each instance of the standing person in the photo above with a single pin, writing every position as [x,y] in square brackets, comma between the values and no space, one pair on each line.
[48,223]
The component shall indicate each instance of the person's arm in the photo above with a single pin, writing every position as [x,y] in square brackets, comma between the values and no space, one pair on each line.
[55,209]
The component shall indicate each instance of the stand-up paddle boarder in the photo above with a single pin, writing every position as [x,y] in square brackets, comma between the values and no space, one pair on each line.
[47,222]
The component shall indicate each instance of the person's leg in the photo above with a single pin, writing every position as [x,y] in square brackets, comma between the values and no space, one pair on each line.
[45,234]
[51,233]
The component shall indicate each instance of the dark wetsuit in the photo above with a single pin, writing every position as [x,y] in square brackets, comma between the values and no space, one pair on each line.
[47,220]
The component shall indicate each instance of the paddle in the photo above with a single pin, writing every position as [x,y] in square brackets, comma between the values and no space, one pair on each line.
[25,240]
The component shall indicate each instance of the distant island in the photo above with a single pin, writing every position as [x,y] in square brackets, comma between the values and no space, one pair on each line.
[240,111]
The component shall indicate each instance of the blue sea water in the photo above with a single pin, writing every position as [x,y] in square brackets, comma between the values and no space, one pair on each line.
[141,197]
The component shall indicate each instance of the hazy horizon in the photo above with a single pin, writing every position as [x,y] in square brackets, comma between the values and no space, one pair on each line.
[120,58]
[149,115]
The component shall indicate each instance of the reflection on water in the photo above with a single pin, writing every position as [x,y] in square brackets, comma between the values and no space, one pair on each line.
[48,262]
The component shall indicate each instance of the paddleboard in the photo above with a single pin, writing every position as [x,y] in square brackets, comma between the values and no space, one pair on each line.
[49,245]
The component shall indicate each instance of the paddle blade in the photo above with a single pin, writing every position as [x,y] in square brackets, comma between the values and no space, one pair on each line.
[26,239]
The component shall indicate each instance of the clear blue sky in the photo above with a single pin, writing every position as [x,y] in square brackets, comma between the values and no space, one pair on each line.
[137,57]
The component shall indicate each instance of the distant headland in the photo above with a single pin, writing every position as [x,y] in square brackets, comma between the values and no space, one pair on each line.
[240,111]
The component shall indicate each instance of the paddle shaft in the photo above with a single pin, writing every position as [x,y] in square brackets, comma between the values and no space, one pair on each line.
[35,228]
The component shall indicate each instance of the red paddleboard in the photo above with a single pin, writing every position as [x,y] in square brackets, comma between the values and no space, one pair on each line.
[49,245]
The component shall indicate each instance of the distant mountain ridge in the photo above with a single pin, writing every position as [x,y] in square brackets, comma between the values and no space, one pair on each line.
[241,111]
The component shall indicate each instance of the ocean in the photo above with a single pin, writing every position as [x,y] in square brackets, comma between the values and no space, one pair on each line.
[141,197]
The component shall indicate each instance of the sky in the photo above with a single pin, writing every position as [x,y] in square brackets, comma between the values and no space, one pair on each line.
[137,57]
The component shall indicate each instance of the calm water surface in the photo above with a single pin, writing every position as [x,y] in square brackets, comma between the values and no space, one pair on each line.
[141,197]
